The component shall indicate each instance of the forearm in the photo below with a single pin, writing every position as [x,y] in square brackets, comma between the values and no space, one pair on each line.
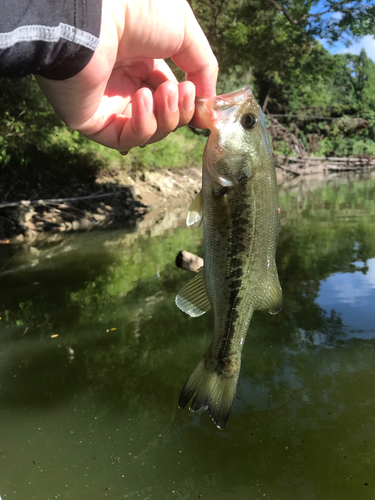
[52,38]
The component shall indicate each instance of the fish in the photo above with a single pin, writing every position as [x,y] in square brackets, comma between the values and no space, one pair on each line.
[239,208]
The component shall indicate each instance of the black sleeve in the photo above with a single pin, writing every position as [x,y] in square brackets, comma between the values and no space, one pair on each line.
[51,38]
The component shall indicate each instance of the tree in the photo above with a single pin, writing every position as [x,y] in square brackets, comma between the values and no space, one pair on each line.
[332,19]
[363,77]
[277,40]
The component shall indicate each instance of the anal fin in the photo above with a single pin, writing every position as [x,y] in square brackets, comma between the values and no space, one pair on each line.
[193,298]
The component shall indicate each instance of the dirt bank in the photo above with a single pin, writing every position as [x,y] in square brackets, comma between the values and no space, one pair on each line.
[111,199]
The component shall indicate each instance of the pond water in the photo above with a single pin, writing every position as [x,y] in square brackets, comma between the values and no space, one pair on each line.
[94,353]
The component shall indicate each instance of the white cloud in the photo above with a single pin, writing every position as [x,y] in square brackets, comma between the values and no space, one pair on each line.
[367,43]
[370,275]
[349,288]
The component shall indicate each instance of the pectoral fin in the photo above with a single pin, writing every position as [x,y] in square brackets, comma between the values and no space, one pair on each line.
[195,212]
[193,298]
[273,300]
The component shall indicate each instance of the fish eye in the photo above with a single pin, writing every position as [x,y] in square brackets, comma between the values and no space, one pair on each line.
[249,121]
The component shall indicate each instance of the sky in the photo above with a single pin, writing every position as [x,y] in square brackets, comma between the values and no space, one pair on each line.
[367,42]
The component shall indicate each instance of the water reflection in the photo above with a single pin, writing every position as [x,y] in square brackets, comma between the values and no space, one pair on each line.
[93,355]
[353,297]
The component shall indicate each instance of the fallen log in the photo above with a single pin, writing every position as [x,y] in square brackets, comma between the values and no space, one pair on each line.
[188,261]
[314,160]
[288,170]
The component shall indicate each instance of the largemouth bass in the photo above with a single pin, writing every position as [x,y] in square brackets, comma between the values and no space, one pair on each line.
[241,220]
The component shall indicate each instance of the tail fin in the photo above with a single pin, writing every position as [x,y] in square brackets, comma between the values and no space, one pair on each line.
[210,390]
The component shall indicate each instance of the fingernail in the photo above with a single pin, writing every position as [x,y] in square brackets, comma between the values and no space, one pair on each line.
[124,152]
[172,101]
[188,101]
[148,104]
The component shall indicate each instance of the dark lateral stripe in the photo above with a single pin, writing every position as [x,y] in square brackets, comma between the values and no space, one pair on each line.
[235,262]
[236,273]
[240,221]
[241,231]
[240,248]
[235,285]
[223,361]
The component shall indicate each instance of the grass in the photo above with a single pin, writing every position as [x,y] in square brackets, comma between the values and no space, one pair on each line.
[183,148]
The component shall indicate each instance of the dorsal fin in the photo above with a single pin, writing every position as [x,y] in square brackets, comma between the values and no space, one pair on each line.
[193,298]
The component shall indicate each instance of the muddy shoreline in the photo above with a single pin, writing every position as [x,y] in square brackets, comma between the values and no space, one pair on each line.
[114,199]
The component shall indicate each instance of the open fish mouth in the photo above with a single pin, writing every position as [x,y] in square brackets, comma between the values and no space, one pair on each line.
[228,99]
[218,109]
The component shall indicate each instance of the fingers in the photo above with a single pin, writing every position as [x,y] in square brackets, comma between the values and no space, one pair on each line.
[142,101]
[142,125]
[186,103]
[160,73]
[123,131]
[150,117]
[174,107]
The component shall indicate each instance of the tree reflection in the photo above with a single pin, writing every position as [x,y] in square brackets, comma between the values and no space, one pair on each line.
[134,348]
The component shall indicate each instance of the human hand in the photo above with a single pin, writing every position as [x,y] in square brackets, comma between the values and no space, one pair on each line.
[127,96]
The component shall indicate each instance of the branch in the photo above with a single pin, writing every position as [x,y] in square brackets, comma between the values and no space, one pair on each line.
[208,4]
[282,9]
[330,9]
[288,15]
[54,200]
[318,14]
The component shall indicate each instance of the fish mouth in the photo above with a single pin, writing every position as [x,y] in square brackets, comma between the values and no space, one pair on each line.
[214,109]
[224,101]
[234,98]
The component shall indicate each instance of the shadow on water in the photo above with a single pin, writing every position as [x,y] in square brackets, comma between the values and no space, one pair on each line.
[93,354]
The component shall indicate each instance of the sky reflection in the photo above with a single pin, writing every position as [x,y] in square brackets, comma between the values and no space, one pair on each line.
[352,295]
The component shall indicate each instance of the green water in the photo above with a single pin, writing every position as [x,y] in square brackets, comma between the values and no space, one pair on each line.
[94,353]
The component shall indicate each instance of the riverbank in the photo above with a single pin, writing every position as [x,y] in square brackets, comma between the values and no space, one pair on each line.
[114,198]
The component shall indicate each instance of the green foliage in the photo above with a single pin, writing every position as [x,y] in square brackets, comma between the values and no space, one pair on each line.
[37,149]
[183,148]
[342,94]
[26,119]
[356,19]
[273,46]
[268,44]
[129,268]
